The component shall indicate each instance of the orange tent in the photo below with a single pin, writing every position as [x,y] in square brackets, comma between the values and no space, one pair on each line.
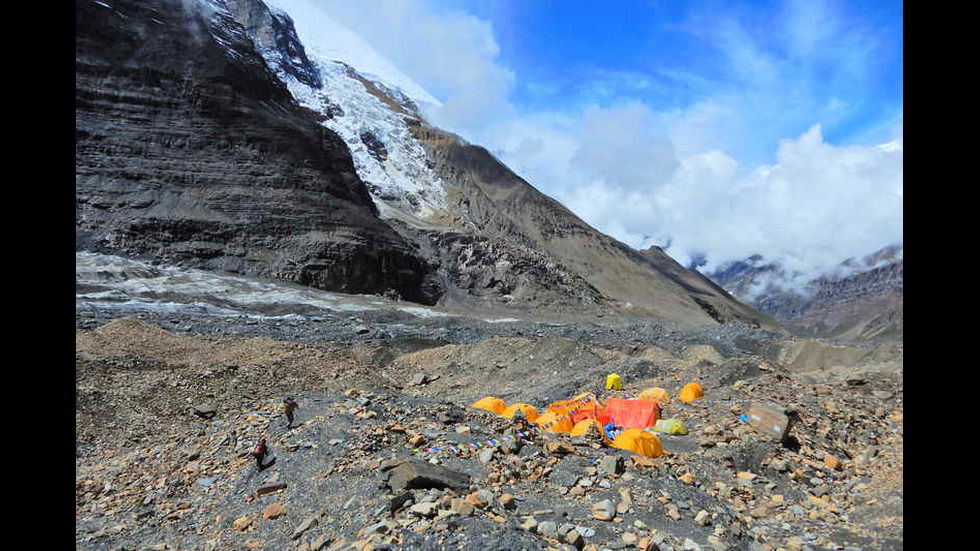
[554,422]
[632,413]
[530,412]
[639,441]
[561,407]
[491,403]
[690,393]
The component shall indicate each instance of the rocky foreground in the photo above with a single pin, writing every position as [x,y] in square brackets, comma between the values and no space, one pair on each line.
[166,413]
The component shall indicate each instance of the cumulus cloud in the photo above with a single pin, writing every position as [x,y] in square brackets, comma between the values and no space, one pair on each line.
[743,168]
[817,205]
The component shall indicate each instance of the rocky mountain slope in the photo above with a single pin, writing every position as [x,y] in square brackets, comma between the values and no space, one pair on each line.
[862,300]
[208,134]
[188,149]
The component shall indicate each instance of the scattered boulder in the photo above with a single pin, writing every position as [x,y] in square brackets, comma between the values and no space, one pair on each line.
[273,511]
[205,411]
[310,522]
[604,510]
[425,509]
[416,475]
[611,465]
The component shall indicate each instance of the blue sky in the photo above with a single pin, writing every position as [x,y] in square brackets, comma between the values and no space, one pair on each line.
[725,129]
[838,64]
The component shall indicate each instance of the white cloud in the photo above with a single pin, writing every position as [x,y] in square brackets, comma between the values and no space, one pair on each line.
[716,177]
[816,206]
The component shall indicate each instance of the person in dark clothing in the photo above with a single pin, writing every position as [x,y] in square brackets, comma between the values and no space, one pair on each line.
[288,407]
[259,452]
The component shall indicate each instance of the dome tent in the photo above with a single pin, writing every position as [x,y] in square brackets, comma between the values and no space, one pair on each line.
[690,393]
[492,404]
[530,412]
[554,422]
[639,441]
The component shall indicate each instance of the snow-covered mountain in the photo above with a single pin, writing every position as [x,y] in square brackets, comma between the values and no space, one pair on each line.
[369,107]
[267,139]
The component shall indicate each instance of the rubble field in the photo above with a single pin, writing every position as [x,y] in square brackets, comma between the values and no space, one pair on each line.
[380,455]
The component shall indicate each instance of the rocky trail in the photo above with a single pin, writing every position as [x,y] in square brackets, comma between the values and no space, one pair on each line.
[165,422]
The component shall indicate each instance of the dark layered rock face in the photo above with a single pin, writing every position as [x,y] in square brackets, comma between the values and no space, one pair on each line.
[188,149]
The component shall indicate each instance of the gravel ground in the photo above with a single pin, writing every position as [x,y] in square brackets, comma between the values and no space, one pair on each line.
[152,473]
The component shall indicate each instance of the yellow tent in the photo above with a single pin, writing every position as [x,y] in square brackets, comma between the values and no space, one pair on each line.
[491,403]
[530,412]
[655,393]
[639,441]
[554,422]
[690,393]
[614,382]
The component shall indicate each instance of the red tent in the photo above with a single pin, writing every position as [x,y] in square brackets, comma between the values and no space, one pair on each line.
[632,413]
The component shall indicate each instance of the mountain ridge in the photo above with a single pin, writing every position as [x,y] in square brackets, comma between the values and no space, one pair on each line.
[861,299]
[375,200]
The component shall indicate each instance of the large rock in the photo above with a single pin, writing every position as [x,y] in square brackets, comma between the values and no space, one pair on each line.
[415,475]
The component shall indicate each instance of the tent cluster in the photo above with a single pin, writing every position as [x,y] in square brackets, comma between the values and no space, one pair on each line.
[621,422]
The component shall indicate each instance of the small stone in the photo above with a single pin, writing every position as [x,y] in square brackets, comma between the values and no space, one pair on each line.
[832,462]
[206,411]
[310,522]
[631,538]
[242,523]
[573,537]
[611,465]
[529,524]
[380,528]
[687,478]
[604,510]
[462,507]
[507,501]
[273,511]
[486,455]
[427,510]
[702,517]
[717,544]
[548,529]
[480,498]
[270,488]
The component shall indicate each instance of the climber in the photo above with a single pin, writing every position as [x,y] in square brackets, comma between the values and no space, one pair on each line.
[259,452]
[288,407]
